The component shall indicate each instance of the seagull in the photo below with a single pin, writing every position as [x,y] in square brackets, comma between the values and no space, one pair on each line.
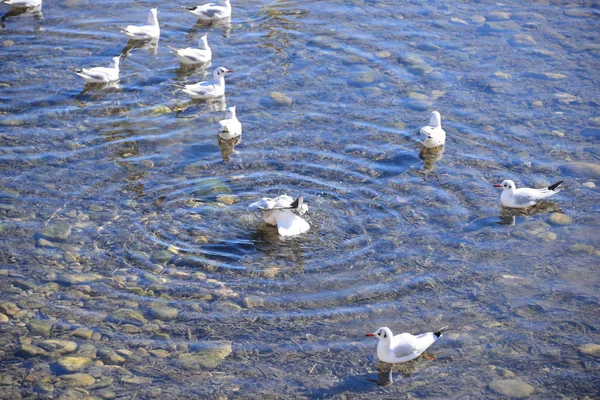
[212,11]
[144,32]
[230,127]
[403,347]
[23,3]
[200,55]
[209,89]
[524,197]
[433,135]
[101,74]
[280,211]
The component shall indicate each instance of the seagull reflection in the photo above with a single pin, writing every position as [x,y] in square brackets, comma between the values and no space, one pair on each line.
[151,45]
[185,71]
[15,11]
[222,24]
[430,156]
[95,91]
[227,147]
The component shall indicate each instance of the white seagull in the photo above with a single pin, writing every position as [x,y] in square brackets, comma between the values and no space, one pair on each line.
[23,3]
[280,212]
[403,347]
[230,127]
[101,74]
[524,197]
[202,54]
[144,32]
[212,11]
[433,135]
[209,89]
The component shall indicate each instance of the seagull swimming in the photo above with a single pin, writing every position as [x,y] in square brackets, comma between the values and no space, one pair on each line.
[202,54]
[144,32]
[209,89]
[212,11]
[23,3]
[280,212]
[230,127]
[403,347]
[101,74]
[524,197]
[433,135]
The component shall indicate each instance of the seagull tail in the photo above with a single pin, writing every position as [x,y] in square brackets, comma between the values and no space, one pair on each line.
[439,332]
[297,204]
[555,186]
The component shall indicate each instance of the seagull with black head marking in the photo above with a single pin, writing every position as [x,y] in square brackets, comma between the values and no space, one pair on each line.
[280,212]
[212,11]
[403,347]
[524,197]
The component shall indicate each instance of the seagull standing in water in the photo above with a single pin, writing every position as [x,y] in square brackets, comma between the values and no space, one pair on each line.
[23,3]
[280,212]
[190,56]
[212,11]
[403,347]
[101,74]
[144,32]
[524,197]
[211,89]
[433,135]
[230,127]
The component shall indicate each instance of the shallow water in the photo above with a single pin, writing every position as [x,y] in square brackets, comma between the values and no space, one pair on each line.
[119,199]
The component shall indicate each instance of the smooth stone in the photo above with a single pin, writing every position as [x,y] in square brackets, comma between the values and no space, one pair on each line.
[499,26]
[162,257]
[577,169]
[361,78]
[589,348]
[477,19]
[3,318]
[74,279]
[56,232]
[83,333]
[579,13]
[40,327]
[228,307]
[512,388]
[419,105]
[253,301]
[593,133]
[159,353]
[8,308]
[589,185]
[163,313]
[595,121]
[522,40]
[547,76]
[560,219]
[73,364]
[503,75]
[29,350]
[428,47]
[207,358]
[77,380]
[276,99]
[127,316]
[41,242]
[45,388]
[59,346]
[136,380]
[537,104]
[458,21]
[227,199]
[87,351]
[131,329]
[410,59]
[498,16]
[324,41]
[383,54]
[110,357]
[581,248]
[548,236]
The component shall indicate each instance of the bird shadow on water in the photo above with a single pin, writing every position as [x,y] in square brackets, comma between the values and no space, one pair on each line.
[511,216]
[149,44]
[224,25]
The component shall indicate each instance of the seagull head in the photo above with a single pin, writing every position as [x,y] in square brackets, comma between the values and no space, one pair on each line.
[116,60]
[220,72]
[230,112]
[383,333]
[506,185]
[435,120]
[203,42]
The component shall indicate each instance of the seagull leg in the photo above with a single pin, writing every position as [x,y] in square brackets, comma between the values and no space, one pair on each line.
[430,358]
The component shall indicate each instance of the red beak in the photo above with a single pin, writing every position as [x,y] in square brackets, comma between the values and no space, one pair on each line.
[229,70]
[369,334]
[497,185]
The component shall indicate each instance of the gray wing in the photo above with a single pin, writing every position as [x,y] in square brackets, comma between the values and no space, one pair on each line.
[407,346]
[523,197]
[210,13]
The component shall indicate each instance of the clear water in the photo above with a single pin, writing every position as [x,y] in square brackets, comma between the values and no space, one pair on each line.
[137,173]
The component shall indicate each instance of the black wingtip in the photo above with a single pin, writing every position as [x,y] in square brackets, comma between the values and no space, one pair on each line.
[439,332]
[297,203]
[557,184]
